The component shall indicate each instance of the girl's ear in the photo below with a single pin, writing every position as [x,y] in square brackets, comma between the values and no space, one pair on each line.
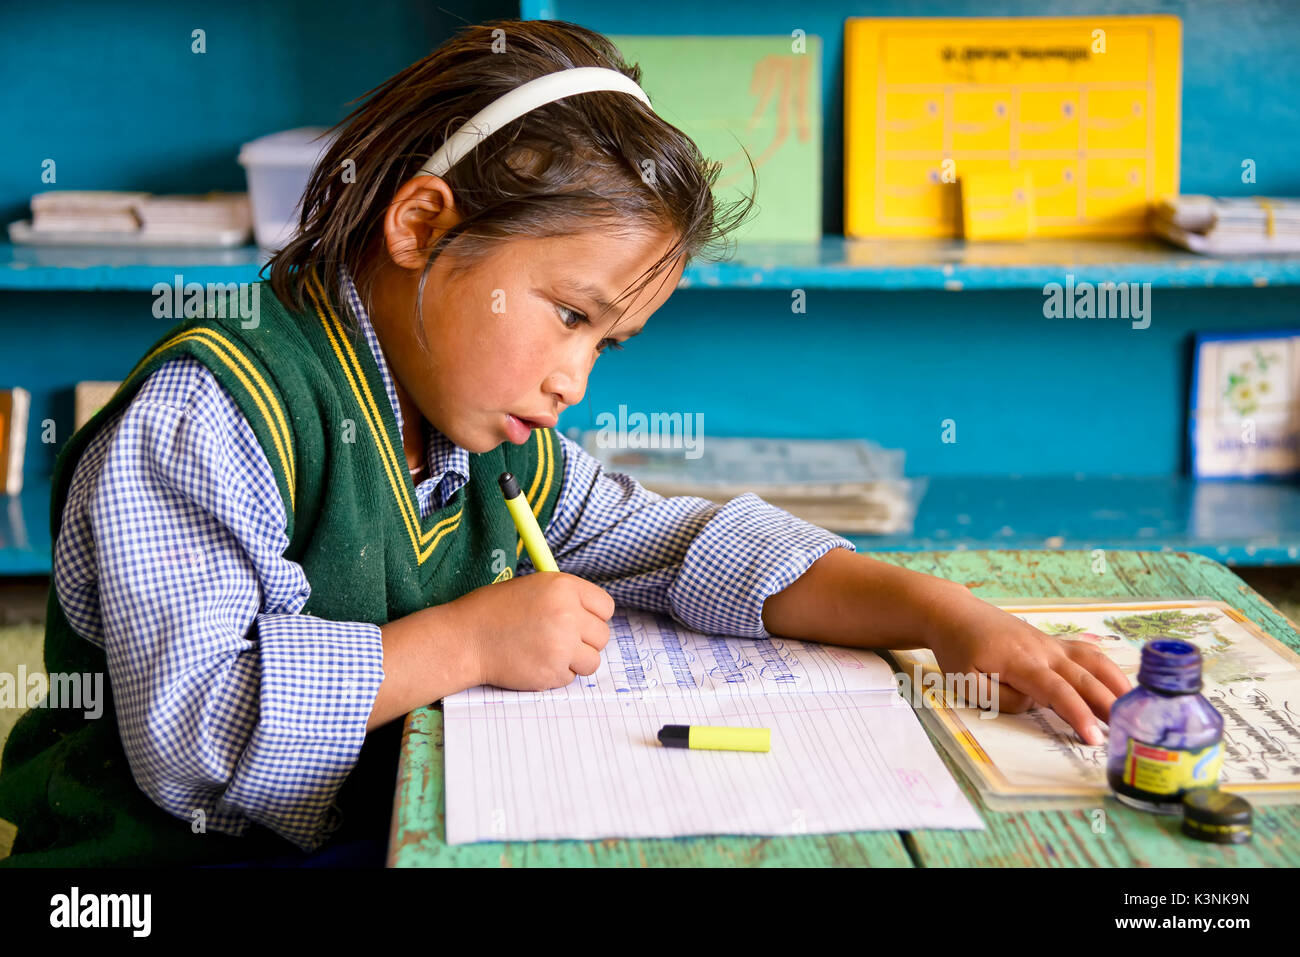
[421,211]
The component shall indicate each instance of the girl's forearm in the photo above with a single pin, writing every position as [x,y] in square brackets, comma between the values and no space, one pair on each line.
[426,658]
[848,599]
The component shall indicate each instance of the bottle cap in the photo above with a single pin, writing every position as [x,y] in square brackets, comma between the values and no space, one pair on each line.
[1170,664]
[1212,815]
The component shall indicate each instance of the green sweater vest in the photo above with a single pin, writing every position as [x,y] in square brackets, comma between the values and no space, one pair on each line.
[316,401]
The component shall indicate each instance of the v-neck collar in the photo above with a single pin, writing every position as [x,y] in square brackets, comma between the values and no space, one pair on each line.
[360,368]
[440,454]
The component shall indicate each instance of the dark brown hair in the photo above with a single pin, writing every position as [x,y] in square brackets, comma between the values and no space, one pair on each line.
[571,164]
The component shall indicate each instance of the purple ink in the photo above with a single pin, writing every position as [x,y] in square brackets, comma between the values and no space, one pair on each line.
[1165,738]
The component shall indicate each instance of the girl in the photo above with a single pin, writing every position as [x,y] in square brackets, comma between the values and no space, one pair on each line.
[269,583]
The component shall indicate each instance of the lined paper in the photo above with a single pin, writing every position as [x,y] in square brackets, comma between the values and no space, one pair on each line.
[584,761]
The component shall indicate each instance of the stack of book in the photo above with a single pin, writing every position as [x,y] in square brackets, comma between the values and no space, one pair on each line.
[121,218]
[1218,226]
[849,486]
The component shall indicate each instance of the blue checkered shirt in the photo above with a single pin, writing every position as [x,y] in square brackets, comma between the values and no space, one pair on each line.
[232,702]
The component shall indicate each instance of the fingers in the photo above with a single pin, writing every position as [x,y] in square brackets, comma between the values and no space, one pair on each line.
[586,660]
[1089,687]
[1101,666]
[1078,682]
[595,630]
[595,633]
[1012,701]
[1052,689]
[595,599]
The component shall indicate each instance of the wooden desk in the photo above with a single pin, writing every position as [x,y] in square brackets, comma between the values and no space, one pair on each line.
[1039,838]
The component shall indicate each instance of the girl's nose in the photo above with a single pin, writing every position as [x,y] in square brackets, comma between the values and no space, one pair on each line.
[568,387]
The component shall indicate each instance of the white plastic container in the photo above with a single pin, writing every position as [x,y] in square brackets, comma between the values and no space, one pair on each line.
[278,167]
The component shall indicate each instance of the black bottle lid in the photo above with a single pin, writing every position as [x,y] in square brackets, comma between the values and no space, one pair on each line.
[1212,815]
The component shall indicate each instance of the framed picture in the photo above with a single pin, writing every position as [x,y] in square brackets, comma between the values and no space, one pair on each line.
[1244,416]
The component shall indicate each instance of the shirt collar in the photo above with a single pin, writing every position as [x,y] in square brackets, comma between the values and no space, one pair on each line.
[441,454]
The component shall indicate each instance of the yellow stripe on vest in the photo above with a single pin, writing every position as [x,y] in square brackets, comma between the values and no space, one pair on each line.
[275,420]
[355,376]
[409,515]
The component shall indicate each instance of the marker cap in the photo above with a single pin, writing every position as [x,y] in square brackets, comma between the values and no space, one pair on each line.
[675,735]
[711,738]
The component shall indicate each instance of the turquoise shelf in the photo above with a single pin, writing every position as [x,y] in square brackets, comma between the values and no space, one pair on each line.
[838,263]
[99,268]
[832,263]
[1234,522]
[1237,523]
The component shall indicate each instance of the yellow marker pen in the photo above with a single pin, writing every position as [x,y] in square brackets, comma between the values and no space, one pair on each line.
[526,522]
[714,738]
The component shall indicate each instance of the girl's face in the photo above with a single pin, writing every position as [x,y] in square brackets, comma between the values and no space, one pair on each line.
[513,339]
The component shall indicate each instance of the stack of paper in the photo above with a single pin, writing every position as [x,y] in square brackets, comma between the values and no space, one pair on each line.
[1219,226]
[851,485]
[120,218]
[194,215]
[85,211]
[583,762]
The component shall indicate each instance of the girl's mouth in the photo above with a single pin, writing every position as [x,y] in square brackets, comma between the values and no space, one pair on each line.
[518,430]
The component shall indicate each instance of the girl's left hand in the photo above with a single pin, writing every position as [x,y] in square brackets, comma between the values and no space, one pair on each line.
[1073,678]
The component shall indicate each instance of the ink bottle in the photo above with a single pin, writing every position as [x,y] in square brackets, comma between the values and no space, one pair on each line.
[1165,738]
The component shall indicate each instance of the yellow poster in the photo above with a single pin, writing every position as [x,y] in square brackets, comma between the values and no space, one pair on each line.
[1083,109]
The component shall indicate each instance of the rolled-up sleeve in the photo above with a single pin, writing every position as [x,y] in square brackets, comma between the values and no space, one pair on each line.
[233,706]
[710,565]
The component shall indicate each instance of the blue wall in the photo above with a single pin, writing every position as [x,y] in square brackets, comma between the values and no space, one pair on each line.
[118,100]
[1029,395]
[112,92]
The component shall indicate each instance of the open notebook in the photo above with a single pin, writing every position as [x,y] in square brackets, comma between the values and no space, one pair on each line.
[584,761]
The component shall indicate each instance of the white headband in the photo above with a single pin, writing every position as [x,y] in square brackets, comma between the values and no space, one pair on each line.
[529,96]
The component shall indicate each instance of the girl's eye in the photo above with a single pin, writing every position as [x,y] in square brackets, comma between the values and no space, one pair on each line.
[579,317]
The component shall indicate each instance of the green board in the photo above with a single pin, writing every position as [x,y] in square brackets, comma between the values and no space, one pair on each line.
[738,95]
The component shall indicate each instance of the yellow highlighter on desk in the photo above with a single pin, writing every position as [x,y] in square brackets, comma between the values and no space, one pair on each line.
[526,522]
[715,738]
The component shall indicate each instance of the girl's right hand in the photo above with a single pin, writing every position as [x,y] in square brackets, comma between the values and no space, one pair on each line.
[535,632]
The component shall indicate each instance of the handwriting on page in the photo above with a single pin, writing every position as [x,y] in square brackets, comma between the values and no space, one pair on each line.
[653,656]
